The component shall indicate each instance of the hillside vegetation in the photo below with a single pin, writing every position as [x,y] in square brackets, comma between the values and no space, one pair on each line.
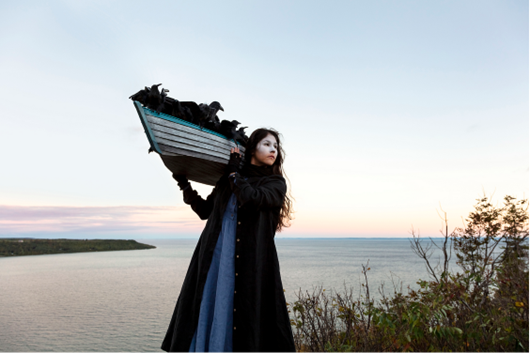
[20,247]
[480,306]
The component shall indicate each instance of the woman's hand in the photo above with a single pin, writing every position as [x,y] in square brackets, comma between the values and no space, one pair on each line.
[182,181]
[234,162]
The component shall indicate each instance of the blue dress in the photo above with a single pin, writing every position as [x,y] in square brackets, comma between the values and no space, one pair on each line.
[214,330]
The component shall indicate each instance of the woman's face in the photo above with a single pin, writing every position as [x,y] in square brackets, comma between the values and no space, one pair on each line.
[266,151]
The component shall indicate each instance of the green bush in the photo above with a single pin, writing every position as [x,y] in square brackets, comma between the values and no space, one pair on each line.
[482,306]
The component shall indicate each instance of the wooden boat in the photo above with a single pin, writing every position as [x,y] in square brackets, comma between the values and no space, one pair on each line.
[186,148]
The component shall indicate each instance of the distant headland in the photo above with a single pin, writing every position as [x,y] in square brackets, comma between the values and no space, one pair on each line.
[30,246]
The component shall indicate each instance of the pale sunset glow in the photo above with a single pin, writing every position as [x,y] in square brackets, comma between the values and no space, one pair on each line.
[114,220]
[389,111]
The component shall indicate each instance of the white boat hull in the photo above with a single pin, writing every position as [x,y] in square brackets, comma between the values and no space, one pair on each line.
[185,148]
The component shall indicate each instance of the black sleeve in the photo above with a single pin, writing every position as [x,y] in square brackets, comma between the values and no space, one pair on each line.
[269,194]
[202,207]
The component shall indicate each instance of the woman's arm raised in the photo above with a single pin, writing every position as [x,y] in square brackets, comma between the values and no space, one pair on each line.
[202,207]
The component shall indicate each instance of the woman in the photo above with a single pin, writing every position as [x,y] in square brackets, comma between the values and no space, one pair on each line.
[232,297]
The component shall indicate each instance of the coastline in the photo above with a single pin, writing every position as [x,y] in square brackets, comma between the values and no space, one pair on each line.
[29,246]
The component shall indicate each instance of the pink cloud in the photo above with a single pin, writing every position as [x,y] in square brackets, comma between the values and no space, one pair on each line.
[103,219]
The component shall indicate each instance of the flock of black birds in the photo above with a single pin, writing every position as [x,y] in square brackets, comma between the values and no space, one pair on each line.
[203,115]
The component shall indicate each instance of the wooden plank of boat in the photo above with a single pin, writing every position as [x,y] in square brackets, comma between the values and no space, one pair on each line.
[185,148]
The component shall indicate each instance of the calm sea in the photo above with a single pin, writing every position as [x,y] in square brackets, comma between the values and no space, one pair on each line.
[123,300]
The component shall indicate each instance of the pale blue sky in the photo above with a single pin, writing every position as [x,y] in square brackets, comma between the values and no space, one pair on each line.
[388,108]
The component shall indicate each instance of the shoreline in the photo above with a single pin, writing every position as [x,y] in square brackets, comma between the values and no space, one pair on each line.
[10,247]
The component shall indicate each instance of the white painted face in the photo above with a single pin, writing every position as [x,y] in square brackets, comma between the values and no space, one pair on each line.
[266,151]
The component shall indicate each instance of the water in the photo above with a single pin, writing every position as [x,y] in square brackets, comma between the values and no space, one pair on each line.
[123,300]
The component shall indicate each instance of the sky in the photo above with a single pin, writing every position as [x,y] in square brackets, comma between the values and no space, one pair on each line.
[390,111]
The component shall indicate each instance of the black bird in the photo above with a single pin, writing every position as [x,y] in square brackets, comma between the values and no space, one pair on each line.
[228,128]
[187,114]
[209,117]
[154,98]
[162,106]
[173,107]
[214,124]
[141,96]
[191,111]
[214,108]
[205,114]
[240,137]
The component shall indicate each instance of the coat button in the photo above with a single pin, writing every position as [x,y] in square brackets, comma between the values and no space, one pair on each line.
[237,239]
[234,309]
[236,274]
[238,206]
[235,292]
[237,256]
[238,222]
[234,328]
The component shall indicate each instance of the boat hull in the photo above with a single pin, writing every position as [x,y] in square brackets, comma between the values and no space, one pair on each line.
[185,148]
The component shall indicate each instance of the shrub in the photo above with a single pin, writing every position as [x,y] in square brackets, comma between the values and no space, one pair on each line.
[481,306]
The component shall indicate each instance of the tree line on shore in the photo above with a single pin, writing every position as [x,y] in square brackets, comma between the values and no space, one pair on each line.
[28,246]
[482,305]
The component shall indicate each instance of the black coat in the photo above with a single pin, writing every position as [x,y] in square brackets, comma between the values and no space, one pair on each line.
[261,320]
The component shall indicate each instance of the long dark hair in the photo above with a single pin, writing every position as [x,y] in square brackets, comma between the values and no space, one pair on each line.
[286,212]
